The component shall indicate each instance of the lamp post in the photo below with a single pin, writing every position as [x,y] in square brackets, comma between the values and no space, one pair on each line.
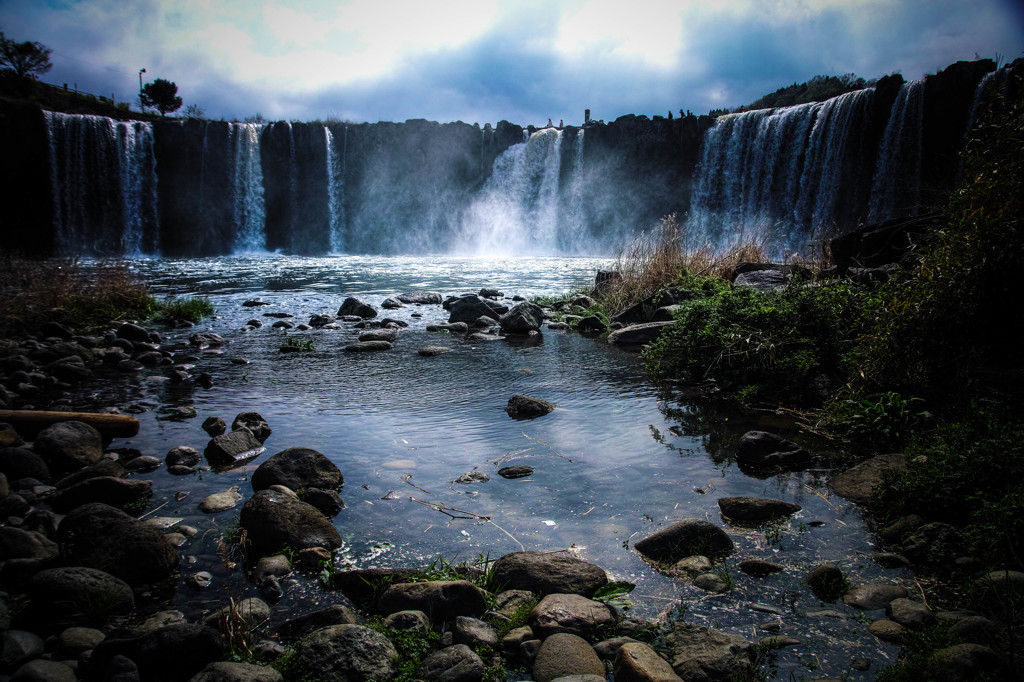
[141,71]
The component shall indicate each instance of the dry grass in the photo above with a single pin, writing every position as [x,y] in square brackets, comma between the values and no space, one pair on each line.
[34,291]
[655,259]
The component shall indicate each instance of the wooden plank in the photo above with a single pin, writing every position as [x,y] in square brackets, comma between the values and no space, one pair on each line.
[30,422]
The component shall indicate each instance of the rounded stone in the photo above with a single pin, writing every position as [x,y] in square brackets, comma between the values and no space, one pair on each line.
[564,654]
[346,653]
[298,468]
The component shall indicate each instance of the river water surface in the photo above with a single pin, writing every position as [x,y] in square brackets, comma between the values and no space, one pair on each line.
[614,462]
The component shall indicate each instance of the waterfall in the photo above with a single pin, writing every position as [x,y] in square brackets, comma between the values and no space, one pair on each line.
[335,194]
[517,210]
[247,186]
[896,188]
[573,228]
[785,177]
[104,185]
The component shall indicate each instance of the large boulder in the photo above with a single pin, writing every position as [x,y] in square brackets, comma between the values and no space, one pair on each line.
[69,445]
[526,407]
[471,308]
[19,463]
[346,653]
[80,594]
[17,543]
[420,297]
[685,538]
[99,536]
[547,573]
[298,469]
[353,306]
[566,654]
[522,318]
[637,662]
[175,652]
[702,654]
[335,614]
[273,520]
[761,448]
[442,600]
[231,671]
[570,613]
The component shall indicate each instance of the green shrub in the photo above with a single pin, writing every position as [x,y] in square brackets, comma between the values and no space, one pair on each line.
[191,309]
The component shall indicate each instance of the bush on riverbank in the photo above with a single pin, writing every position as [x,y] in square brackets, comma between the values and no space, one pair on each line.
[34,292]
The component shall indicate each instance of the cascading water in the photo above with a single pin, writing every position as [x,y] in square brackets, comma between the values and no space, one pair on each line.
[896,188]
[335,194]
[249,210]
[104,185]
[781,176]
[517,210]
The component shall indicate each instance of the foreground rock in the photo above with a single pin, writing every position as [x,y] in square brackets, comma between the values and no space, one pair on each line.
[637,662]
[859,483]
[700,654]
[67,446]
[565,654]
[457,663]
[230,671]
[571,613]
[685,538]
[754,509]
[233,447]
[80,594]
[442,600]
[274,520]
[761,448]
[547,573]
[102,537]
[175,652]
[346,653]
[298,468]
[523,318]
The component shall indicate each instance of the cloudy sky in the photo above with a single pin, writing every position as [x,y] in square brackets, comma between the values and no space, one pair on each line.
[487,60]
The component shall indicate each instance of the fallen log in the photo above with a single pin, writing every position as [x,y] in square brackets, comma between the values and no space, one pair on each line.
[28,423]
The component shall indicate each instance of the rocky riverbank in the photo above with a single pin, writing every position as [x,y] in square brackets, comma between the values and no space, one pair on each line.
[85,559]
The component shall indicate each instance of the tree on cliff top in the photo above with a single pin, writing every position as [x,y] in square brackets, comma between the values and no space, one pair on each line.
[161,95]
[27,60]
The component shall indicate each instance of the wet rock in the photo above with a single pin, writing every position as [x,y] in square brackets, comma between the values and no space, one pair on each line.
[368,346]
[214,426]
[19,463]
[522,318]
[67,446]
[116,492]
[859,483]
[761,448]
[701,654]
[206,340]
[693,565]
[346,653]
[778,642]
[80,594]
[298,468]
[456,663]
[99,536]
[638,334]
[474,632]
[222,501]
[175,652]
[547,573]
[473,477]
[104,467]
[391,304]
[685,538]
[132,332]
[872,597]
[273,520]
[321,320]
[233,447]
[827,582]
[759,568]
[711,582]
[755,509]
[524,407]
[255,423]
[433,351]
[909,613]
[229,671]
[200,580]
[183,456]
[354,307]
[443,600]
[142,464]
[515,471]
[253,612]
[572,613]
[564,654]
[282,324]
